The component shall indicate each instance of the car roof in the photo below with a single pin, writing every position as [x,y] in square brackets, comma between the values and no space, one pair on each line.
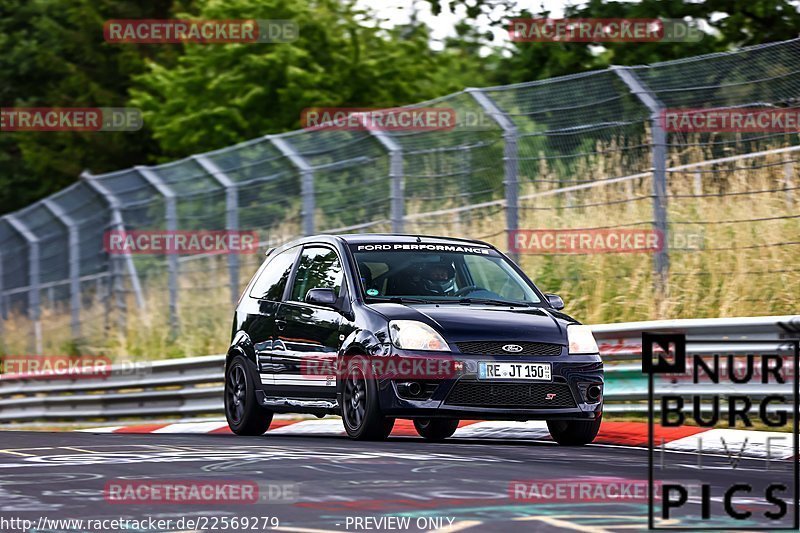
[359,238]
[394,238]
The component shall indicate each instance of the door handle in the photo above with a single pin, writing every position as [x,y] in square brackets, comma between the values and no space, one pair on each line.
[280,324]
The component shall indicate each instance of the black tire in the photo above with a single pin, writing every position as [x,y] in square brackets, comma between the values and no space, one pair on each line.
[361,413]
[245,416]
[574,432]
[435,429]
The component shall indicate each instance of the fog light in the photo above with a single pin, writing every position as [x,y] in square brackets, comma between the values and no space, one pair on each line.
[409,389]
[593,392]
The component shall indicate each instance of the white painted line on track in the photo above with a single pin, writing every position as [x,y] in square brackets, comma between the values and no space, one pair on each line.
[192,427]
[75,449]
[109,429]
[533,429]
[14,452]
[309,427]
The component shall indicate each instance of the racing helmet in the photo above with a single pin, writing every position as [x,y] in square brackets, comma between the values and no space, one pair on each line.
[439,278]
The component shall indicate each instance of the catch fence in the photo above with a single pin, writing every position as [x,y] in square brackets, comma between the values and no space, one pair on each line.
[582,151]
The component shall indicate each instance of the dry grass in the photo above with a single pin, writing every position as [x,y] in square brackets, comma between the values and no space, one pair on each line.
[713,282]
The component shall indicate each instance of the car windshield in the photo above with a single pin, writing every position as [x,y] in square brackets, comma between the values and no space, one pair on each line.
[439,272]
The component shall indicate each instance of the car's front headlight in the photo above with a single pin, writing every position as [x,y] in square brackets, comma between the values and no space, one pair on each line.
[414,335]
[581,340]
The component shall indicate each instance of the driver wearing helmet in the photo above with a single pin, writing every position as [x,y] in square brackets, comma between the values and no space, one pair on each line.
[439,278]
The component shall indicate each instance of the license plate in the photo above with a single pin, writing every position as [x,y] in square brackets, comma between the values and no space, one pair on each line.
[526,371]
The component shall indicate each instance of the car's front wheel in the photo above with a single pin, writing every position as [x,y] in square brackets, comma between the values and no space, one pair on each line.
[435,429]
[361,412]
[245,416]
[574,432]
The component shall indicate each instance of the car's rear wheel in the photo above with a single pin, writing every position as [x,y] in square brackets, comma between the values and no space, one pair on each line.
[361,412]
[574,432]
[245,416]
[435,429]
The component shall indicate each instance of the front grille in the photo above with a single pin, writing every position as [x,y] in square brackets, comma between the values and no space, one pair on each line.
[520,395]
[496,348]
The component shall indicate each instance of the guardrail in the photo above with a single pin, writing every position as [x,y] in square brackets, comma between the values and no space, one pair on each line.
[193,387]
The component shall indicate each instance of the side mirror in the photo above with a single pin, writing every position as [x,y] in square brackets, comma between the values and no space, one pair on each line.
[555,301]
[323,297]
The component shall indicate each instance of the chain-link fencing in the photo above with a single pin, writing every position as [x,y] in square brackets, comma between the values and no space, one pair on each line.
[587,151]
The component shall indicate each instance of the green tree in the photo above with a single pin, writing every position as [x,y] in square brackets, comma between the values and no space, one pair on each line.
[54,55]
[731,23]
[220,94]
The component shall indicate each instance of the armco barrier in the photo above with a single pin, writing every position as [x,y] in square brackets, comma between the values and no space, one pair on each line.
[184,388]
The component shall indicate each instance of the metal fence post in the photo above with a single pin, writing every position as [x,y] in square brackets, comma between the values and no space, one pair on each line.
[171,218]
[231,216]
[510,163]
[3,315]
[34,298]
[698,183]
[306,183]
[396,175]
[117,222]
[659,155]
[397,196]
[74,264]
[788,175]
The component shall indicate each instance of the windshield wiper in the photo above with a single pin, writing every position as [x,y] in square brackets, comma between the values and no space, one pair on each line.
[408,299]
[399,299]
[490,301]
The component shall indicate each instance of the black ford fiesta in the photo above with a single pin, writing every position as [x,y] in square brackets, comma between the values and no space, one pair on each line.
[434,329]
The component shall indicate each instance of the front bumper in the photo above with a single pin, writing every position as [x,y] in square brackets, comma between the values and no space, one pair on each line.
[463,396]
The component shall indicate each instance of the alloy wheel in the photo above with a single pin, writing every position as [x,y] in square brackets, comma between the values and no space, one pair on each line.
[237,388]
[355,398]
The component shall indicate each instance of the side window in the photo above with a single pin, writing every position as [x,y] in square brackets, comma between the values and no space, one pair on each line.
[272,282]
[319,268]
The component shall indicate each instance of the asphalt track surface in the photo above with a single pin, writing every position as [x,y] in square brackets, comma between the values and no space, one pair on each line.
[64,475]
